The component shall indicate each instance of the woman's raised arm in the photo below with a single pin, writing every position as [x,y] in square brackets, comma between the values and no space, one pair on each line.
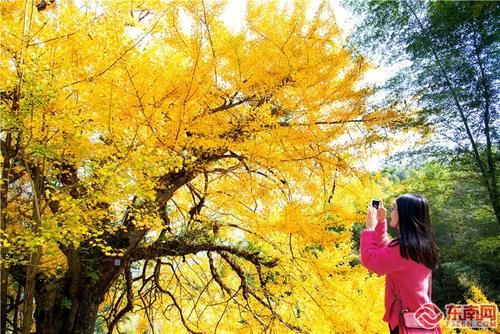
[381,233]
[380,260]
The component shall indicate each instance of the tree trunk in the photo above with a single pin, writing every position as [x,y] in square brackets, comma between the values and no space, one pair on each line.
[57,314]
[494,196]
[4,272]
[70,304]
[29,290]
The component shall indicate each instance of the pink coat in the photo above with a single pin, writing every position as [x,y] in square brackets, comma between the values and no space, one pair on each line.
[409,278]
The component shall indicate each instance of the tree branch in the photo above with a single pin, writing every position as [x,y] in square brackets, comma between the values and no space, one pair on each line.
[181,246]
[454,97]
[130,304]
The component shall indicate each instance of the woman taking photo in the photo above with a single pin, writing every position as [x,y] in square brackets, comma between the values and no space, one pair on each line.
[408,269]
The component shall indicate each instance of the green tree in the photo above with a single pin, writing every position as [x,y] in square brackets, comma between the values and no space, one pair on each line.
[452,77]
[466,235]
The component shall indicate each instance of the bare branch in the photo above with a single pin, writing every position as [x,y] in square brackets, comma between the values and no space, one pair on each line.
[239,271]
[216,276]
[130,304]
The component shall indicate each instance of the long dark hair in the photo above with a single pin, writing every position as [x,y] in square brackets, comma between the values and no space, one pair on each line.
[416,233]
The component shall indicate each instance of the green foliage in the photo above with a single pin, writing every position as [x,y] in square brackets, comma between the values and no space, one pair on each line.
[66,303]
[464,225]
[488,250]
[442,47]
[449,56]
[7,120]
[314,249]
[93,275]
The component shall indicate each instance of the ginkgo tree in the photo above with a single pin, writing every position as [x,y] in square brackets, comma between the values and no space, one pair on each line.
[156,162]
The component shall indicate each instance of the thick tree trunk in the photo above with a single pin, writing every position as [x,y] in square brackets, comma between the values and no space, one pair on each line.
[57,314]
[70,305]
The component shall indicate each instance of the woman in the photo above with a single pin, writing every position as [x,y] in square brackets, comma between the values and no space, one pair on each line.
[407,269]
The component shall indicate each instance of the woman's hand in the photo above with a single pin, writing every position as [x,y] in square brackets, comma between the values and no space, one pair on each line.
[381,212]
[371,218]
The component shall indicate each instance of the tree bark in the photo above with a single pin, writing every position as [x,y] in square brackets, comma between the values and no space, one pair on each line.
[4,272]
[32,268]
[29,290]
[69,305]
[57,314]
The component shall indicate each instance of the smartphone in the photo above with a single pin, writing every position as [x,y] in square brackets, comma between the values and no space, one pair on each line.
[375,203]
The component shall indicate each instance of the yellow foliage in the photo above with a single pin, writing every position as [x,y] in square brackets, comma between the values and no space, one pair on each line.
[133,113]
